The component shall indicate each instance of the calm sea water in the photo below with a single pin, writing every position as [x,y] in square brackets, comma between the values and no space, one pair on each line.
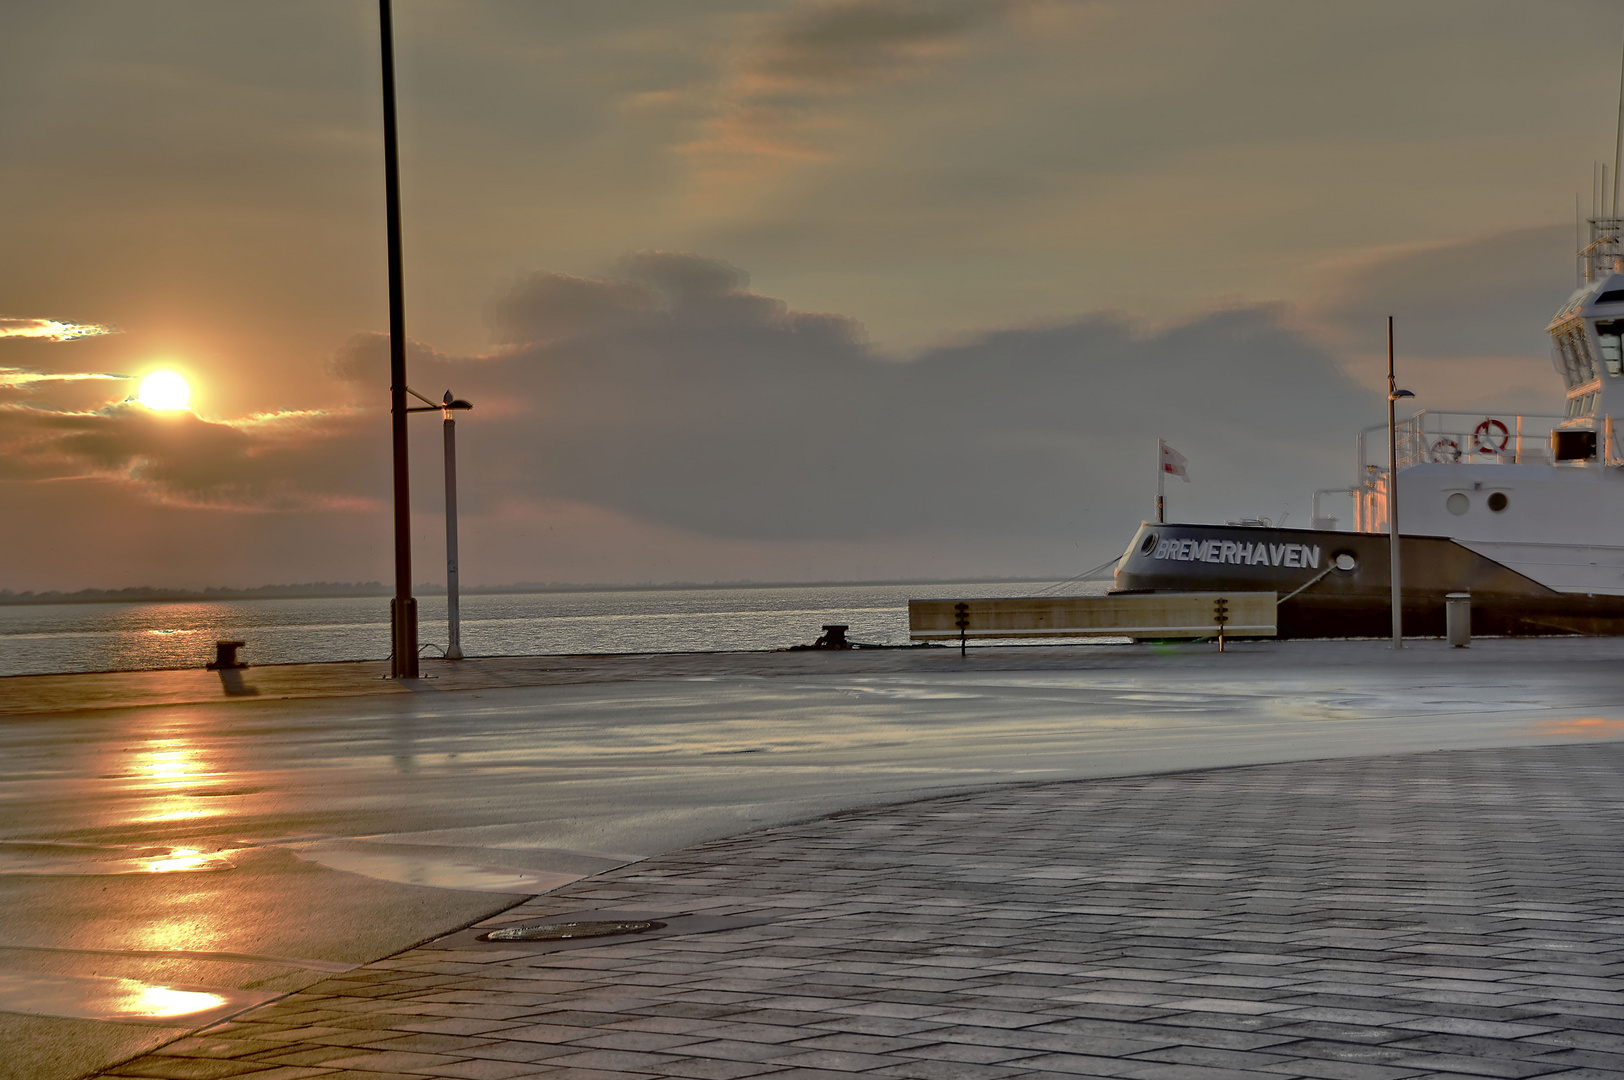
[46,638]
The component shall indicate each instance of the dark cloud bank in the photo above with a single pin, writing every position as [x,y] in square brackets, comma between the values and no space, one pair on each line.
[670,392]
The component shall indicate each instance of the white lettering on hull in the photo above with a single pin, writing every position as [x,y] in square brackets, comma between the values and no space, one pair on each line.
[1238,553]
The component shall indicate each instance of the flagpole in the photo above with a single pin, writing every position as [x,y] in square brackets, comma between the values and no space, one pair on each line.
[1161,484]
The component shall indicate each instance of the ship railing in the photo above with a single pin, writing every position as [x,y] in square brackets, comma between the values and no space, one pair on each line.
[1611,454]
[1435,437]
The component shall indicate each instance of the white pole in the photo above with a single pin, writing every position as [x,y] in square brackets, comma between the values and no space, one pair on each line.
[1392,494]
[453,649]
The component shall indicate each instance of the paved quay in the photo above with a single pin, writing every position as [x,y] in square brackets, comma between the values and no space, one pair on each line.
[1445,914]
[25,695]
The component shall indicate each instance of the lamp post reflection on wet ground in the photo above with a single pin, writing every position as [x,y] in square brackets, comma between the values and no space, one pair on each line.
[448,407]
[1393,395]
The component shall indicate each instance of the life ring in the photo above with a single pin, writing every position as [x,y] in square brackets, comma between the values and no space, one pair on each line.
[1444,450]
[1484,437]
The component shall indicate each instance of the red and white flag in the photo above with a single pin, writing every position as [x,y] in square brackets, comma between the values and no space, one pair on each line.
[1173,462]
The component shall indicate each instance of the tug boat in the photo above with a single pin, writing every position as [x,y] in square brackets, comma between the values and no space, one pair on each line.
[1525,513]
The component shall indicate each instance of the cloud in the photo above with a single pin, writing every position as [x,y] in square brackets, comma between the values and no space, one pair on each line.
[543,306]
[49,329]
[652,291]
[774,103]
[1469,318]
[683,277]
[26,377]
[1483,296]
[841,46]
[277,461]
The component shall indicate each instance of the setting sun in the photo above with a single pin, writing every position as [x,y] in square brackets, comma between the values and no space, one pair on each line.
[164,391]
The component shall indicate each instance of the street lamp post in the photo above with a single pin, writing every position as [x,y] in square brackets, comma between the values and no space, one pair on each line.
[1393,394]
[403,608]
[448,408]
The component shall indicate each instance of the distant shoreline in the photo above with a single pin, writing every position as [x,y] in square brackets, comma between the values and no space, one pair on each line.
[322,590]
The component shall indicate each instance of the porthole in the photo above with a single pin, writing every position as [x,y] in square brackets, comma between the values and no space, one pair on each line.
[1458,503]
[1148,545]
[1498,501]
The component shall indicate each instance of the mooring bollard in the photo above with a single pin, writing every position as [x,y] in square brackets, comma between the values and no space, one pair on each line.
[1458,618]
[225,656]
[834,637]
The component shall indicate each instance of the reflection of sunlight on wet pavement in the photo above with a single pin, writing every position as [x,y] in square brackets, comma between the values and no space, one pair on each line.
[1587,727]
[46,858]
[410,868]
[96,997]
[187,927]
[166,1001]
[170,770]
[165,763]
[183,859]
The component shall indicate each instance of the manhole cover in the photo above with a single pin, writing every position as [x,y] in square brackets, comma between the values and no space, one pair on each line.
[566,931]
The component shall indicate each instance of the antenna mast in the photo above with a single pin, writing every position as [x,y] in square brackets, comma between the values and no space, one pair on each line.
[1618,137]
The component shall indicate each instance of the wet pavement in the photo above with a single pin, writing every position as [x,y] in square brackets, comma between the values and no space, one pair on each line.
[171,863]
[1451,914]
[32,694]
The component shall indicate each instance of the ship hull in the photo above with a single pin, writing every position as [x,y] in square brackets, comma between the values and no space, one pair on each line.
[1321,600]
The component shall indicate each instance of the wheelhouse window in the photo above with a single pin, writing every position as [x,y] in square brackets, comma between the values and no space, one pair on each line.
[1610,336]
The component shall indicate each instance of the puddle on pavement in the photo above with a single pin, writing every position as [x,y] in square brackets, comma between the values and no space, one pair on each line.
[23,857]
[1584,727]
[407,868]
[95,997]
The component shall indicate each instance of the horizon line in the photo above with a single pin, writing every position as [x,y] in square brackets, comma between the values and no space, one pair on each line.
[343,589]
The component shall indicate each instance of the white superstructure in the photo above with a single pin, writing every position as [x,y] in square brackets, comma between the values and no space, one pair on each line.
[1543,495]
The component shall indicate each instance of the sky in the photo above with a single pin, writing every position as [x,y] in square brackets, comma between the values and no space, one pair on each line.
[772,291]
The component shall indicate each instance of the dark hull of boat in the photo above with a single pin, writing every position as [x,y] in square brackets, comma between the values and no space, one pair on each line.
[1356,602]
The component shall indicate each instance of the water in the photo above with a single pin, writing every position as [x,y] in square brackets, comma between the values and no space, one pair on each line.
[45,638]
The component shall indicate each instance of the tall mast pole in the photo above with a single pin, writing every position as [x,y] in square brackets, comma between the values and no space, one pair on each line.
[403,608]
[1618,139]
[1392,493]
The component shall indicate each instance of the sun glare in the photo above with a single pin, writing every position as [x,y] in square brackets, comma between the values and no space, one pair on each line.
[164,391]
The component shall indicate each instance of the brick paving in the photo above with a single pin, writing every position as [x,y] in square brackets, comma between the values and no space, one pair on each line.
[1435,915]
